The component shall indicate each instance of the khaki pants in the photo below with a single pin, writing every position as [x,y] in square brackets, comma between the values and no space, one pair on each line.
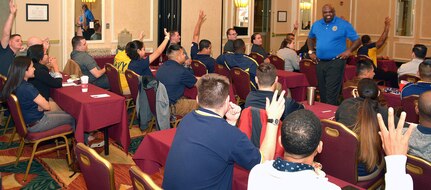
[184,106]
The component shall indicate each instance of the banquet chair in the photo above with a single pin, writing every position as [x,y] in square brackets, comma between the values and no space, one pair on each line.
[420,171]
[133,81]
[97,171]
[72,68]
[408,78]
[3,80]
[36,137]
[141,180]
[222,70]
[199,68]
[409,104]
[308,67]
[252,123]
[339,156]
[351,60]
[257,57]
[277,62]
[239,80]
[349,92]
[115,85]
[151,95]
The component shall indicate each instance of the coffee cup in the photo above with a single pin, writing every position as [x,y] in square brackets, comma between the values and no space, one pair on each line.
[84,83]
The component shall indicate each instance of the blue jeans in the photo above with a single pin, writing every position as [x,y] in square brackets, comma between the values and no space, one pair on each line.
[52,120]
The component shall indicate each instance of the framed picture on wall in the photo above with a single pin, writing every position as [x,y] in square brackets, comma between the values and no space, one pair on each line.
[37,12]
[281,16]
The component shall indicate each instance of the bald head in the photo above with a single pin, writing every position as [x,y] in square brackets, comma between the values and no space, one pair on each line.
[424,106]
[328,13]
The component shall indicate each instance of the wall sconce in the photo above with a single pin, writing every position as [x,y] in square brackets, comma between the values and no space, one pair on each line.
[88,1]
[241,3]
[305,6]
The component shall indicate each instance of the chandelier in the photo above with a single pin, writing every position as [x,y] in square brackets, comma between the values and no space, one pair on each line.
[241,3]
[88,1]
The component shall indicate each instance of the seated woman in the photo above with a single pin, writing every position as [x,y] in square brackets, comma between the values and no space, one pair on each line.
[288,54]
[35,108]
[46,75]
[136,51]
[256,40]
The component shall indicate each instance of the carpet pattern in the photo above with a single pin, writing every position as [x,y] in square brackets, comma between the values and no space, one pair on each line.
[50,171]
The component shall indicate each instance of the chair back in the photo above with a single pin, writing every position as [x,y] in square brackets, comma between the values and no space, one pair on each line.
[133,81]
[277,62]
[222,70]
[340,151]
[114,79]
[151,95]
[72,68]
[351,60]
[199,68]
[349,92]
[257,57]
[408,78]
[409,104]
[97,171]
[363,58]
[308,67]
[420,170]
[141,180]
[239,80]
[18,119]
[253,123]
[3,80]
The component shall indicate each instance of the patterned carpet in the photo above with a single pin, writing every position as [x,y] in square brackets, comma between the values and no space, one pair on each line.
[50,171]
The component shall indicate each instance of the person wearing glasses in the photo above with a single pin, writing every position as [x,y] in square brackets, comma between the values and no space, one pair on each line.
[231,36]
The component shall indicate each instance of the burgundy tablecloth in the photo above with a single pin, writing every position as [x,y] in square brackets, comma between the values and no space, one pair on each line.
[322,110]
[95,113]
[152,153]
[387,65]
[102,60]
[296,82]
[349,72]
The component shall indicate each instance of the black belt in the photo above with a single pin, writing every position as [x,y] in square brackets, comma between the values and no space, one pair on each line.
[32,124]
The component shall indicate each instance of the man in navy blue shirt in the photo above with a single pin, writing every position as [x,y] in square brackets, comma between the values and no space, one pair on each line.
[421,86]
[329,34]
[206,146]
[202,52]
[10,44]
[176,77]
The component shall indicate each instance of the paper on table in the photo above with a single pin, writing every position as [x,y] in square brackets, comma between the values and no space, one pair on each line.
[69,84]
[100,95]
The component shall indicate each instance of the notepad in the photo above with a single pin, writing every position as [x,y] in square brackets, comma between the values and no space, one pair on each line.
[100,95]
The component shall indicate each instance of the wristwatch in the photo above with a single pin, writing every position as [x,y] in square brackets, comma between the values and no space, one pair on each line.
[310,52]
[274,121]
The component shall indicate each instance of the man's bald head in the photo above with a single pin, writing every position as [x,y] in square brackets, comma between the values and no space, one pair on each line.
[424,106]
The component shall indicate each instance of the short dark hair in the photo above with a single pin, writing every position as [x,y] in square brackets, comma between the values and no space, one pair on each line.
[424,106]
[266,74]
[213,90]
[290,34]
[363,65]
[76,40]
[300,133]
[172,49]
[84,6]
[204,43]
[420,51]
[228,30]
[425,69]
[365,39]
[36,53]
[132,49]
[367,88]
[239,46]
[14,35]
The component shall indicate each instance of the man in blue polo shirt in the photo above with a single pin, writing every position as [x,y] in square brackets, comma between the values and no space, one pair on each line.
[10,44]
[206,146]
[241,60]
[421,86]
[202,52]
[176,77]
[329,34]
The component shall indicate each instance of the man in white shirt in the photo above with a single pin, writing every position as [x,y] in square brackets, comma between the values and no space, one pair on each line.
[419,53]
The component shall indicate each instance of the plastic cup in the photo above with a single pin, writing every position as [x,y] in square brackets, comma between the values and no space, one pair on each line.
[84,83]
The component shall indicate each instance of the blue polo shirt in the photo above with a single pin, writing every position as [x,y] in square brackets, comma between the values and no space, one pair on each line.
[175,77]
[204,151]
[6,56]
[415,89]
[242,61]
[141,66]
[26,93]
[331,37]
[207,60]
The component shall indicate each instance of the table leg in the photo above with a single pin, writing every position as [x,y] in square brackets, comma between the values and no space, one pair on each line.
[106,139]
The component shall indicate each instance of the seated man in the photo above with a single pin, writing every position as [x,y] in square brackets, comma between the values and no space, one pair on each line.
[202,52]
[266,81]
[10,44]
[175,39]
[241,60]
[364,69]
[231,36]
[87,63]
[420,141]
[206,146]
[421,86]
[176,78]
[419,53]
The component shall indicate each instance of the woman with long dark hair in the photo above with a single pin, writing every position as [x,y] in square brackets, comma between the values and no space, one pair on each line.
[35,108]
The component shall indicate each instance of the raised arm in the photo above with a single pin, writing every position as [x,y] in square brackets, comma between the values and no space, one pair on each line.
[384,35]
[8,24]
[160,49]
[295,27]
[198,25]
